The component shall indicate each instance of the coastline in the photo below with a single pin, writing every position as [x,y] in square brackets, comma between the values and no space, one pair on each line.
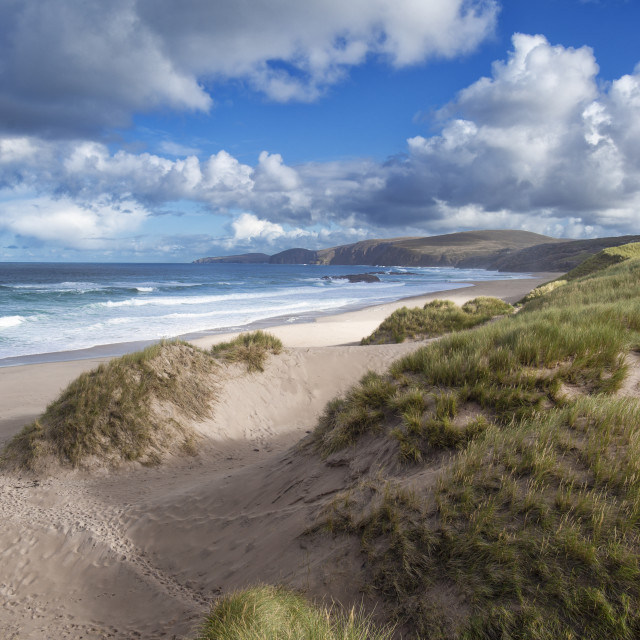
[349,327]
[27,388]
[95,554]
[282,324]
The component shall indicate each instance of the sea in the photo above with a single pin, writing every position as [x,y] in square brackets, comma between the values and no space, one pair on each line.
[64,311]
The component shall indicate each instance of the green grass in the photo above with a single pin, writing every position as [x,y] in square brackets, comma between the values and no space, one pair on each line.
[436,318]
[250,348]
[360,411]
[509,369]
[605,259]
[532,525]
[276,613]
[110,414]
[539,549]
[594,265]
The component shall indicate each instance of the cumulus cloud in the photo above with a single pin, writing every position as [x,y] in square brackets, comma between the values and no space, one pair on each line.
[540,137]
[248,228]
[71,67]
[66,223]
[541,144]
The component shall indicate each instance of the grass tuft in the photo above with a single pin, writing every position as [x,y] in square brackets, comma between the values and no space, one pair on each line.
[250,348]
[345,419]
[276,613]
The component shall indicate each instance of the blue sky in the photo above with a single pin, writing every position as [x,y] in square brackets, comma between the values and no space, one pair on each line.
[156,130]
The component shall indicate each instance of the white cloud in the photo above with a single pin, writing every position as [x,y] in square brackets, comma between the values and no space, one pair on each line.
[272,173]
[539,138]
[539,84]
[573,172]
[248,228]
[66,223]
[74,66]
[223,172]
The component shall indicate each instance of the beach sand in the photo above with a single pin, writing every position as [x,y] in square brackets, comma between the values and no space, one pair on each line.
[142,552]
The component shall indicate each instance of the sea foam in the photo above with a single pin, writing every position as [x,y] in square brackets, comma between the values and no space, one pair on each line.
[10,321]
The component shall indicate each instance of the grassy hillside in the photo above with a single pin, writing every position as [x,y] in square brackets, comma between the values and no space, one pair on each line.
[468,249]
[505,500]
[605,258]
[503,250]
[592,265]
[557,256]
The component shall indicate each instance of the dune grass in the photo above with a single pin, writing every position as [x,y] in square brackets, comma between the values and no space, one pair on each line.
[111,413]
[275,613]
[593,265]
[250,348]
[133,408]
[509,369]
[532,528]
[604,259]
[435,319]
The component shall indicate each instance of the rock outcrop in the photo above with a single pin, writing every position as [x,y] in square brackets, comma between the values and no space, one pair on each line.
[354,277]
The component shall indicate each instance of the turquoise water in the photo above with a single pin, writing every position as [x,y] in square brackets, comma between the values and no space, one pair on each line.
[53,308]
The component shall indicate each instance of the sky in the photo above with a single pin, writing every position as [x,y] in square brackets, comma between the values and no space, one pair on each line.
[164,131]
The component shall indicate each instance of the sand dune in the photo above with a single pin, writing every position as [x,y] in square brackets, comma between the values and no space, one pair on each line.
[143,552]
[146,550]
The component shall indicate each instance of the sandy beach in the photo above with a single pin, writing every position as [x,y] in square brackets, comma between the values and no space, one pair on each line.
[142,552]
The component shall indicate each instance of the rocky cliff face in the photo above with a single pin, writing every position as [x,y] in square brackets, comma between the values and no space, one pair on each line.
[295,256]
[502,250]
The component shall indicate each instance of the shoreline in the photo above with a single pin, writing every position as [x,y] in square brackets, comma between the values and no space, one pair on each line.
[27,389]
[281,324]
[349,327]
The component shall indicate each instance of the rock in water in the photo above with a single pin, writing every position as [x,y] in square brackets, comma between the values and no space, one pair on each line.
[354,277]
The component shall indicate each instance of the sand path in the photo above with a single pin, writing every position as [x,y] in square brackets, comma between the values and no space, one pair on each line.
[142,553]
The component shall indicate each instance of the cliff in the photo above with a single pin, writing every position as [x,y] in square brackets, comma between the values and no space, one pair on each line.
[501,250]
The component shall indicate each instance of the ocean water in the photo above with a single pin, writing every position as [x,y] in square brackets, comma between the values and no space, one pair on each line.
[55,308]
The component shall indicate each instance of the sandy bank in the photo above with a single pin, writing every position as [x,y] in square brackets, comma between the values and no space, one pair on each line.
[142,553]
[26,390]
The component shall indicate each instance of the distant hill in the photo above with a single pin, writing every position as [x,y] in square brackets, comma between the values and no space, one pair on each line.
[501,250]
[244,258]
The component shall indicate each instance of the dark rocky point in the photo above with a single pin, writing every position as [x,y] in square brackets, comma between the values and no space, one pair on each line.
[354,277]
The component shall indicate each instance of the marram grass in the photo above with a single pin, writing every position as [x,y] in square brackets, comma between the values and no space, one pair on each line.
[133,408]
[109,414]
[250,348]
[275,613]
[531,527]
